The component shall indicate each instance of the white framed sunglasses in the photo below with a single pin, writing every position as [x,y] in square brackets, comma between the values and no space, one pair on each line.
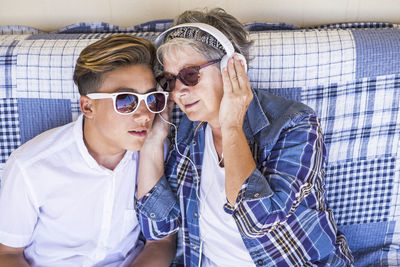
[126,103]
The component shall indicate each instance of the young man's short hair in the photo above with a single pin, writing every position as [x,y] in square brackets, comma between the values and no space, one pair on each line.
[109,54]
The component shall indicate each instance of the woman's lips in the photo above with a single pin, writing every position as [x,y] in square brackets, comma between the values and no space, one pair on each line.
[187,106]
[141,133]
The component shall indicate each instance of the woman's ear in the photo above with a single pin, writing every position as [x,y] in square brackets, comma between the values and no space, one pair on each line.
[86,105]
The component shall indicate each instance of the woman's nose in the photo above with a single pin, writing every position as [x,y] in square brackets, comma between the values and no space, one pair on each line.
[180,88]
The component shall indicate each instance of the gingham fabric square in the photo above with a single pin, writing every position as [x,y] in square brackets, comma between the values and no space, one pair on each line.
[360,192]
[291,59]
[9,128]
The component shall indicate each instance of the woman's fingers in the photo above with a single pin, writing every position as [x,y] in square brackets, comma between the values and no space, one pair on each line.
[227,84]
[233,75]
[242,79]
[237,74]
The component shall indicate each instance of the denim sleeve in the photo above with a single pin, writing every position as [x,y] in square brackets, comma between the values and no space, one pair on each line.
[158,211]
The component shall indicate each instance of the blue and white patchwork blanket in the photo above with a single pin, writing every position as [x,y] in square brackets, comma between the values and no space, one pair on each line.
[348,73]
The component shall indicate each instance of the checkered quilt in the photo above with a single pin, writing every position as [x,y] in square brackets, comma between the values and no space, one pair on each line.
[348,73]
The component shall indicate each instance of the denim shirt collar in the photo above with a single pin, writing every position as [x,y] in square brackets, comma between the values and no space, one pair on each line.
[255,119]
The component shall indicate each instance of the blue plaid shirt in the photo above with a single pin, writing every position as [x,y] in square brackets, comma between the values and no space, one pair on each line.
[280,211]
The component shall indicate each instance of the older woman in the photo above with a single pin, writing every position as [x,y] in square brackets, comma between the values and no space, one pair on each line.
[245,179]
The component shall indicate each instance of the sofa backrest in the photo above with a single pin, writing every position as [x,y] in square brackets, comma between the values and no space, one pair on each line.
[348,73]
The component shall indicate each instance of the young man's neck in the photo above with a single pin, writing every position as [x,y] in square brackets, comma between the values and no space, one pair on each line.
[106,158]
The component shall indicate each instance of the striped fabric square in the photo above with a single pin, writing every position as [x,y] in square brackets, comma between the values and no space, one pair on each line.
[9,128]
[37,115]
[371,243]
[292,59]
[360,192]
[378,52]
[359,119]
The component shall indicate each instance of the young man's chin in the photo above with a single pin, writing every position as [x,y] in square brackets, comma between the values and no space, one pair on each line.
[135,146]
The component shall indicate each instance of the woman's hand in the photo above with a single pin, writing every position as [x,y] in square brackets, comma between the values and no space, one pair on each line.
[237,95]
[151,164]
[238,159]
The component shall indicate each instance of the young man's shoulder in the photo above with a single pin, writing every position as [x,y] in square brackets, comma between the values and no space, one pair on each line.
[45,145]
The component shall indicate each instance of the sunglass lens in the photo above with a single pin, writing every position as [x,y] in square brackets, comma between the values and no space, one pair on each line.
[126,103]
[189,76]
[156,102]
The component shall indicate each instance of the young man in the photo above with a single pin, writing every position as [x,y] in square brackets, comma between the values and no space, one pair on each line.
[67,196]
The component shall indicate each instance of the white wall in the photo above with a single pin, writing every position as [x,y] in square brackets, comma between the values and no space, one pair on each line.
[53,14]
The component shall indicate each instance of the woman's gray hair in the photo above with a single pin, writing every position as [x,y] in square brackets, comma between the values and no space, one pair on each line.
[218,18]
[210,53]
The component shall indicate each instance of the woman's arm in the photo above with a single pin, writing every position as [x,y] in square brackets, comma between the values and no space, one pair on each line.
[238,159]
[10,257]
[158,209]
[157,253]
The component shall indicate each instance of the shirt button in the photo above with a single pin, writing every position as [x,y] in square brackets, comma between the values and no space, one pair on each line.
[256,195]
[260,262]
[194,247]
[152,215]
[195,214]
[194,142]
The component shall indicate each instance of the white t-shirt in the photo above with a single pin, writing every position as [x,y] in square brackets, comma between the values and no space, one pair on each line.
[64,208]
[221,240]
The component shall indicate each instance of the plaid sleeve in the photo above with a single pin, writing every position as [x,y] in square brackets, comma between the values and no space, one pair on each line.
[158,210]
[289,173]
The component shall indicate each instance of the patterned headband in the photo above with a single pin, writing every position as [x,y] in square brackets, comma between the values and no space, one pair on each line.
[195,34]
